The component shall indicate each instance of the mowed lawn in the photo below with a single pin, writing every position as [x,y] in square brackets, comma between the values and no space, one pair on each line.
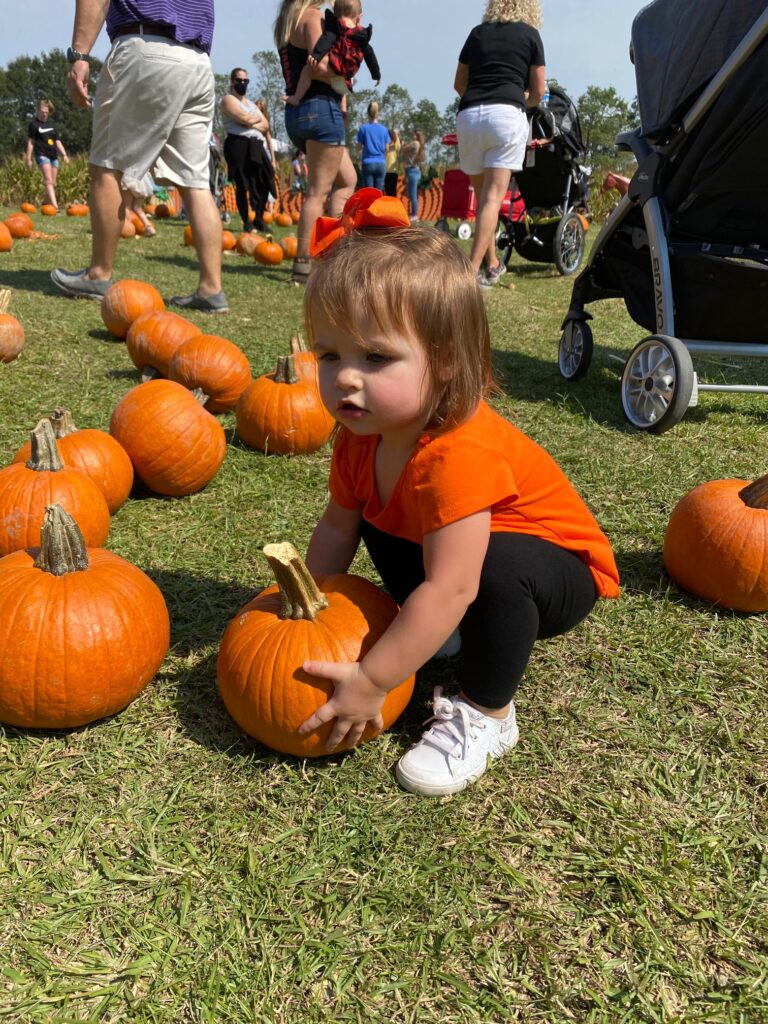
[160,866]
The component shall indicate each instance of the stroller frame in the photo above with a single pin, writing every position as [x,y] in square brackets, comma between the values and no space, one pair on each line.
[658,382]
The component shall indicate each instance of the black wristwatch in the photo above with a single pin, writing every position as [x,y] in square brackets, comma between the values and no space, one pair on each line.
[73,55]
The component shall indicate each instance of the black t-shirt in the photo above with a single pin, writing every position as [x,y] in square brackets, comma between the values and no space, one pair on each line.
[499,55]
[44,137]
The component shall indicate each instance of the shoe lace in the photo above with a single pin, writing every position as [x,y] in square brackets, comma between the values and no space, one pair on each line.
[453,725]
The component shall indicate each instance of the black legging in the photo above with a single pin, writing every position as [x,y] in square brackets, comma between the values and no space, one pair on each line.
[529,589]
[252,174]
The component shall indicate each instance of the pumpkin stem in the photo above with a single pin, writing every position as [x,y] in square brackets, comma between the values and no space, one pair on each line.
[62,548]
[149,373]
[45,453]
[62,423]
[200,395]
[298,344]
[286,371]
[755,495]
[5,299]
[300,596]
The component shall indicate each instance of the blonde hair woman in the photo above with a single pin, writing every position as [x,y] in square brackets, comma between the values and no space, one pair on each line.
[45,147]
[412,154]
[500,72]
[372,141]
[315,126]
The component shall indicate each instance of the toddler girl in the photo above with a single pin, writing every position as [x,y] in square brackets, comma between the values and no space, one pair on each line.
[470,524]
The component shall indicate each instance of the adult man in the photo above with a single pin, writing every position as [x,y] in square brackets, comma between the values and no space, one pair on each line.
[152,109]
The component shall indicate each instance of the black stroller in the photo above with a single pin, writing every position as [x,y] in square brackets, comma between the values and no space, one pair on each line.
[554,189]
[687,246]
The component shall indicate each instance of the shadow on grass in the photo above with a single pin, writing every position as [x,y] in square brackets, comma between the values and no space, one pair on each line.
[244,265]
[29,280]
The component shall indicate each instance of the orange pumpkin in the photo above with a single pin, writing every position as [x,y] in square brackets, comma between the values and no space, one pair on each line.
[283,220]
[149,209]
[295,215]
[153,338]
[127,229]
[95,453]
[11,332]
[246,242]
[266,217]
[227,241]
[137,222]
[290,246]
[215,365]
[279,413]
[268,252]
[82,631]
[77,210]
[48,210]
[6,238]
[125,301]
[27,488]
[259,670]
[188,237]
[28,208]
[176,447]
[19,225]
[716,543]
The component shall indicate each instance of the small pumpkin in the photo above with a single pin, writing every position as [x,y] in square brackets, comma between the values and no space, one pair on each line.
[176,447]
[153,337]
[11,332]
[246,242]
[266,217]
[137,222]
[259,668]
[295,216]
[216,366]
[95,453]
[290,246]
[227,241]
[27,488]
[268,252]
[188,236]
[128,229]
[6,238]
[125,301]
[82,631]
[77,210]
[150,208]
[716,543]
[279,413]
[28,208]
[283,219]
[49,210]
[19,225]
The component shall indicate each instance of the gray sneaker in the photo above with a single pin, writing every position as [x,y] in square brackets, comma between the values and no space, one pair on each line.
[216,303]
[77,285]
[489,277]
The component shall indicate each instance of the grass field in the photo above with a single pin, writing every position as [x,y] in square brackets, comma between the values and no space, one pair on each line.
[160,866]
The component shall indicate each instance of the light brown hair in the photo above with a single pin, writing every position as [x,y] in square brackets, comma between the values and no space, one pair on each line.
[288,16]
[347,8]
[416,282]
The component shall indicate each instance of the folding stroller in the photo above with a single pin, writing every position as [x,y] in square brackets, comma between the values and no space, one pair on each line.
[687,246]
[554,190]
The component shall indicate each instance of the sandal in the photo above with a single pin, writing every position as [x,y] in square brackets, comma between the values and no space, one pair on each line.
[302,266]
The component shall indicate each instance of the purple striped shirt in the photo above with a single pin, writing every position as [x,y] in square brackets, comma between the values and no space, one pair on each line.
[191,20]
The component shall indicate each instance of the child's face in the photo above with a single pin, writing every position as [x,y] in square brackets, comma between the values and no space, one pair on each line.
[380,385]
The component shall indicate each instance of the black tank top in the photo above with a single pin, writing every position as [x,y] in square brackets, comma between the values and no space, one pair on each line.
[292,60]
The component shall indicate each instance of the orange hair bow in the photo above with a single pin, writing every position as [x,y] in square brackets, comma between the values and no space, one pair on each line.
[366,208]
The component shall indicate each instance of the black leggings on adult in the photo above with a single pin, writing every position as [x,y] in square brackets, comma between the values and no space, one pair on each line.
[252,174]
[529,589]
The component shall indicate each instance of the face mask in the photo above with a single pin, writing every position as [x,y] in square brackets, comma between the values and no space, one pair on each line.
[240,87]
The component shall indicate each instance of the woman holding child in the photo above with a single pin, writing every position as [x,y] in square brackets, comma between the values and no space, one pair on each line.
[316,125]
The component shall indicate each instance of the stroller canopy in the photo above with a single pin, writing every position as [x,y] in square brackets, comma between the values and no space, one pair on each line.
[678,46]
[567,119]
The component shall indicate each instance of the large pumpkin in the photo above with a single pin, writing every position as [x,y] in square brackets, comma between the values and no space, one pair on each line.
[26,489]
[11,331]
[95,453]
[176,447]
[125,301]
[6,238]
[153,338]
[259,669]
[279,413]
[716,543]
[82,631]
[19,225]
[215,365]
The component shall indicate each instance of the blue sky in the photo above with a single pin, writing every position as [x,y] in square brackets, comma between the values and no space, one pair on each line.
[417,41]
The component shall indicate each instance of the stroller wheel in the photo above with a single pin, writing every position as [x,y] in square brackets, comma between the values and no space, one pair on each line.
[442,225]
[575,352]
[657,383]
[464,230]
[568,244]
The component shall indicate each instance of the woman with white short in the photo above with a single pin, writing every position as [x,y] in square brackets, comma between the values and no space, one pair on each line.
[500,73]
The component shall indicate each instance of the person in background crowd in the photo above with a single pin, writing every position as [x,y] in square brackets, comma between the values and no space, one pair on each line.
[500,72]
[249,164]
[315,126]
[372,141]
[157,73]
[392,161]
[412,154]
[44,147]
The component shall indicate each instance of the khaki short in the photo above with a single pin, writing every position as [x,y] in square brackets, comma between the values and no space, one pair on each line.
[153,112]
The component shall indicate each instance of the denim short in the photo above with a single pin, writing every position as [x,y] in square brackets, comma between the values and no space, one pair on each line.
[317,119]
[47,160]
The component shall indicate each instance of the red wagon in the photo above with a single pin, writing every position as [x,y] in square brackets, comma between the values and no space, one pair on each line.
[460,202]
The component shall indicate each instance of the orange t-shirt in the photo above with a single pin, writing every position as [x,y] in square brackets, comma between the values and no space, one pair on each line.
[484,463]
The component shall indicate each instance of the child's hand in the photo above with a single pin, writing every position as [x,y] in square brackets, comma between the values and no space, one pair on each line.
[356,701]
[312,61]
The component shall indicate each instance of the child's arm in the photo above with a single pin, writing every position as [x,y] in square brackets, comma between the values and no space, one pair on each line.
[304,82]
[453,560]
[334,541]
[372,63]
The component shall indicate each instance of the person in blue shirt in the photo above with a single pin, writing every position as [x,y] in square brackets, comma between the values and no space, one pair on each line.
[372,140]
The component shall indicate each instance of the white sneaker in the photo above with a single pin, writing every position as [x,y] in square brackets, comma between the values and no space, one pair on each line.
[455,750]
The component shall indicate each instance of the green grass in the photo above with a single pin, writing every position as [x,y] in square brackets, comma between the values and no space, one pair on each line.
[162,867]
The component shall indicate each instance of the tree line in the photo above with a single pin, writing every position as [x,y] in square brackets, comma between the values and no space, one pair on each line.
[602,112]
